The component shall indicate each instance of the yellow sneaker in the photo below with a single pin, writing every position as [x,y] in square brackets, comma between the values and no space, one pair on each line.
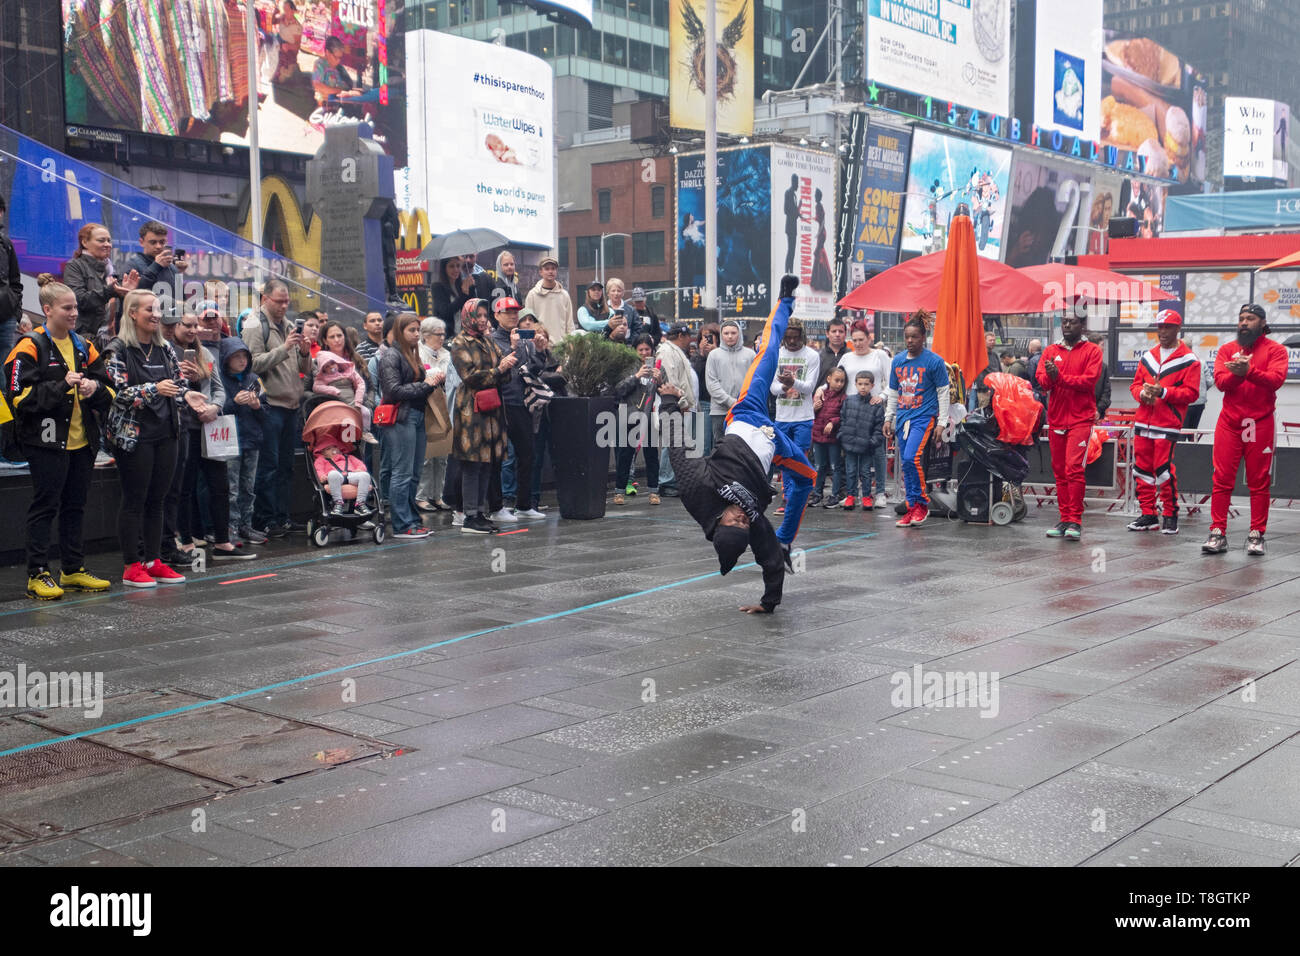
[82,580]
[41,586]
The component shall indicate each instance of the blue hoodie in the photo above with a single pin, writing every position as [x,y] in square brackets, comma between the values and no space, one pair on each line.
[248,419]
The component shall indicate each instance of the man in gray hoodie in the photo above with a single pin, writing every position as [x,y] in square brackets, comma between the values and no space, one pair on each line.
[724,373]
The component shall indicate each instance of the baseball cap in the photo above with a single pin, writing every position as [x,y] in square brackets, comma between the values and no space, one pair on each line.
[503,303]
[527,314]
[548,260]
[170,318]
[595,284]
[679,329]
[1254,309]
[1168,317]
[638,294]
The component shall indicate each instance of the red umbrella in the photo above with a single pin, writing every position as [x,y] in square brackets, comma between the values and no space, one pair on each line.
[915,285]
[1061,285]
[1286,262]
[959,323]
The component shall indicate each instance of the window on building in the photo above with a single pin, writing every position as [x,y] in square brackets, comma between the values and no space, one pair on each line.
[657,194]
[518,41]
[564,44]
[648,248]
[617,8]
[638,10]
[614,251]
[660,11]
[615,48]
[589,44]
[542,42]
[602,204]
[661,61]
[562,253]
[639,56]
[586,248]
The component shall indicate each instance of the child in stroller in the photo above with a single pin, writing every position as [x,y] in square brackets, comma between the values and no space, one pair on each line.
[333,428]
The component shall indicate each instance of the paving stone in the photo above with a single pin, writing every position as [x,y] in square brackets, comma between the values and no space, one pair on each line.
[1201,747]
[1263,790]
[1143,849]
[633,730]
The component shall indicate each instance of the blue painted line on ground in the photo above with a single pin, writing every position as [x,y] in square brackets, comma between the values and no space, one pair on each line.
[400,654]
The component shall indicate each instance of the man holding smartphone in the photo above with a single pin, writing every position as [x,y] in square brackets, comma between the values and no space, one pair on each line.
[519,420]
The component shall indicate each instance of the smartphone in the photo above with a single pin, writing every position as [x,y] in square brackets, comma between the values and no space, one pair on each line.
[527,333]
[299,325]
[191,356]
[179,254]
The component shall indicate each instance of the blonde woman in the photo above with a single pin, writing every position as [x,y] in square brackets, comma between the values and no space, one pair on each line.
[144,430]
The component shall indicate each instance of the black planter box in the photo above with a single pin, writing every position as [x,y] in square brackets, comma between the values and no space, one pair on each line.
[581,467]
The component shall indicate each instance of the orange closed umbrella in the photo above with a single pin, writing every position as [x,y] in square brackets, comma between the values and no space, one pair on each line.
[1286,262]
[959,323]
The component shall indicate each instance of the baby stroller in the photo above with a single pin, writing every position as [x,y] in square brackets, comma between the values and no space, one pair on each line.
[338,424]
[994,443]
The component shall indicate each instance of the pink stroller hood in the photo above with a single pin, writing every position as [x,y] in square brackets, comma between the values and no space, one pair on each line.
[337,422]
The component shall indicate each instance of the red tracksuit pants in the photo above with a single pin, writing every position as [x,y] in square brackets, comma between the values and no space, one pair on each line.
[1069,455]
[1154,475]
[1234,441]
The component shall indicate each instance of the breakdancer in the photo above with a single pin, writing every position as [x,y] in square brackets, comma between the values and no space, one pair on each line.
[728,492]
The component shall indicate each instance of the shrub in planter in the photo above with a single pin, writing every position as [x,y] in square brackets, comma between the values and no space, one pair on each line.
[592,365]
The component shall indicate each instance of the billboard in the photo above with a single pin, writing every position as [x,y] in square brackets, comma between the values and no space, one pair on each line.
[878,218]
[952,50]
[1155,103]
[687,62]
[945,172]
[180,68]
[1067,69]
[490,160]
[744,212]
[1050,208]
[802,234]
[1255,136]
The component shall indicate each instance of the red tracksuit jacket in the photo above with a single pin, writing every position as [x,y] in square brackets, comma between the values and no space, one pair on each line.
[1255,394]
[1180,376]
[1070,396]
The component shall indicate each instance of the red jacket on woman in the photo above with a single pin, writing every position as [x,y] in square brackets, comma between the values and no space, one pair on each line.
[829,412]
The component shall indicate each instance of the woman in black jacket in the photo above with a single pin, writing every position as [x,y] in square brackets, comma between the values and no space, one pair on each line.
[450,293]
[86,274]
[57,378]
[407,384]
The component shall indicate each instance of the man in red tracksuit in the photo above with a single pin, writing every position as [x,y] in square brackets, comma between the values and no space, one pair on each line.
[1249,372]
[1167,380]
[1068,372]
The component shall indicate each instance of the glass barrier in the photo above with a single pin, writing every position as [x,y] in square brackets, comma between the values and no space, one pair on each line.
[51,196]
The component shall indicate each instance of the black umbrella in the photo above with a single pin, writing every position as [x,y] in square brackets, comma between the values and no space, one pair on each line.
[461,243]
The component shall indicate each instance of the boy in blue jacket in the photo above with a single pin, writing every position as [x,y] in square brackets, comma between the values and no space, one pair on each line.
[244,401]
[862,437]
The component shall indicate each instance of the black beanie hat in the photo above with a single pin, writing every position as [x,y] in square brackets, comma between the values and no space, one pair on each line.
[730,542]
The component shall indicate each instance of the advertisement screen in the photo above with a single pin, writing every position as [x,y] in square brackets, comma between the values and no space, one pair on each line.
[493,165]
[878,216]
[803,189]
[1067,68]
[687,63]
[1155,103]
[1050,206]
[958,50]
[1143,314]
[945,172]
[180,68]
[1255,135]
[744,213]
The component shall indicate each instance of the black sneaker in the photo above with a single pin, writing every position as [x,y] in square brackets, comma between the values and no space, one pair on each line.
[237,553]
[1216,543]
[1058,531]
[177,556]
[814,500]
[1145,523]
[274,531]
[831,502]
[1169,524]
[339,510]
[476,524]
[296,527]
[669,492]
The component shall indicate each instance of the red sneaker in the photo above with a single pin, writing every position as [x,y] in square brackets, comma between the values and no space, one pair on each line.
[135,576]
[867,503]
[163,574]
[906,520]
[849,502]
[920,513]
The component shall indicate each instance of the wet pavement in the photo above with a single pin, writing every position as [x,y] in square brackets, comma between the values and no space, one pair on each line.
[587,693]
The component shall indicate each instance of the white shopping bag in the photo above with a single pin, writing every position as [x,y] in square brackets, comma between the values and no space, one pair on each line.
[221,438]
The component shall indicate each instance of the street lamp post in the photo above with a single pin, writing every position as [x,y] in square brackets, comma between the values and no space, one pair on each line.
[601,260]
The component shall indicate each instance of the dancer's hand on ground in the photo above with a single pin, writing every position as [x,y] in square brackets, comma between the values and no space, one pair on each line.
[755,609]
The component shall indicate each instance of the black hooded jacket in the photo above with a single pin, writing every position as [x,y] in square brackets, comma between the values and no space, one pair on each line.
[731,475]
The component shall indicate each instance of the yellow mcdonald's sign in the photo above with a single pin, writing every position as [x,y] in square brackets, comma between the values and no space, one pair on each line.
[416,233]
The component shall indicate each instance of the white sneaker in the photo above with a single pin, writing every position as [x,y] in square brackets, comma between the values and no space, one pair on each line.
[532,514]
[458,519]
[881,500]
[503,516]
